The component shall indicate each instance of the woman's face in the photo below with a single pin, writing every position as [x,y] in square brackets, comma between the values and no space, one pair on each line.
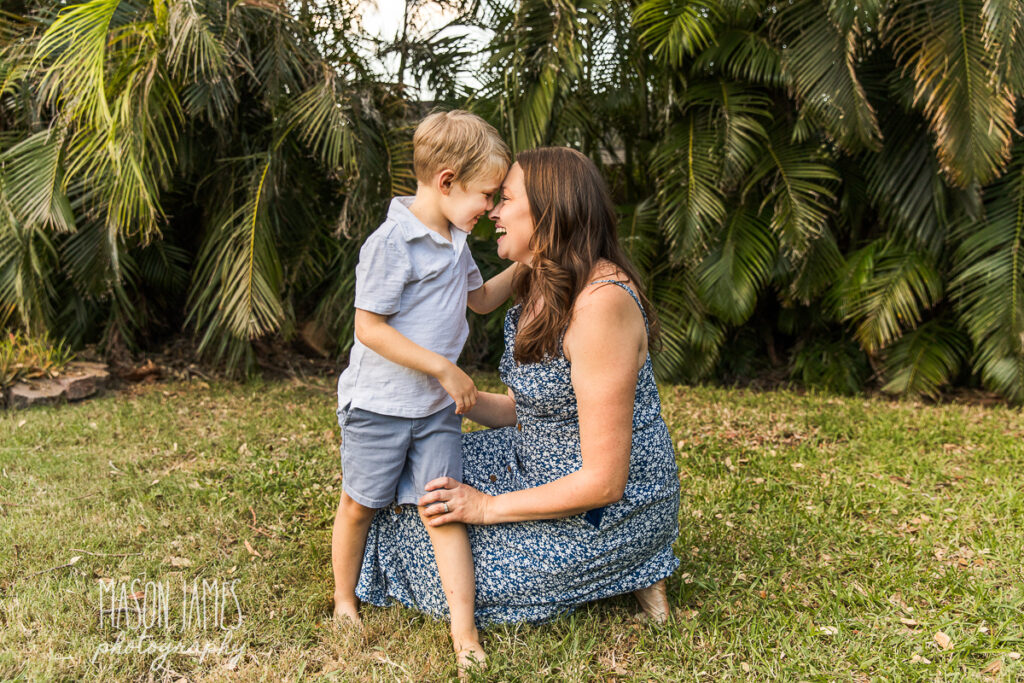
[512,218]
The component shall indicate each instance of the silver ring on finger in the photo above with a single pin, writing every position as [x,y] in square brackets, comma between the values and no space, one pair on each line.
[446,508]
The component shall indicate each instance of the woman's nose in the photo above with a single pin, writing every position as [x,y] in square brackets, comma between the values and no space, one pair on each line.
[493,213]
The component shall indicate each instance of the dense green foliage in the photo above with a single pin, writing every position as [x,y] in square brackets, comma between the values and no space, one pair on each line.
[828,190]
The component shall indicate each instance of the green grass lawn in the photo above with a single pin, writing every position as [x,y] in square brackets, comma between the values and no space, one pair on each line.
[822,538]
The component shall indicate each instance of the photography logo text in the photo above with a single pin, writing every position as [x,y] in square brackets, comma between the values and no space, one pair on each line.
[165,618]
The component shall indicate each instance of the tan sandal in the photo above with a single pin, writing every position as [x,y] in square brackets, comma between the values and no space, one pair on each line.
[654,601]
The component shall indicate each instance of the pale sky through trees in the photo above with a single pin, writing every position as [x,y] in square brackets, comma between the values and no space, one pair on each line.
[382,19]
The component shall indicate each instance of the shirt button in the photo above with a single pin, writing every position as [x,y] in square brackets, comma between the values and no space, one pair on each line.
[398,509]
[509,468]
[519,426]
[493,478]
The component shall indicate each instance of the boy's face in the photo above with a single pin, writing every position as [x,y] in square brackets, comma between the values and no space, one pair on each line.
[464,204]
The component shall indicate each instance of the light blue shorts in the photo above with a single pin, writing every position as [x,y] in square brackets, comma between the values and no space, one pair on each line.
[387,459]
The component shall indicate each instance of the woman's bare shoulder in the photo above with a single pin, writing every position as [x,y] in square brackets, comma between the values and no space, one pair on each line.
[603,298]
[598,285]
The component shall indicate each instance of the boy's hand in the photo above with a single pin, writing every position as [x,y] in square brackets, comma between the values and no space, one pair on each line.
[460,387]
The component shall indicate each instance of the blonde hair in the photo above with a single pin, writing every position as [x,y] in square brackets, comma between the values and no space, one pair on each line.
[462,142]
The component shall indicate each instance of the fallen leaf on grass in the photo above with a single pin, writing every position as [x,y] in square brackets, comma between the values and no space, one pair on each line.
[612,664]
[918,659]
[1014,655]
[181,562]
[252,551]
[993,667]
[944,641]
[908,622]
[828,630]
[22,423]
[797,465]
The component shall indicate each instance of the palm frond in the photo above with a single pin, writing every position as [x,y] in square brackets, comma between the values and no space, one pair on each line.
[33,178]
[732,274]
[691,340]
[739,114]
[820,60]
[640,234]
[685,169]
[804,277]
[674,30]
[905,184]
[319,118]
[1003,33]
[75,47]
[885,290]
[988,285]
[27,258]
[942,45]
[797,186]
[235,295]
[925,359]
[198,58]
[831,363]
[743,54]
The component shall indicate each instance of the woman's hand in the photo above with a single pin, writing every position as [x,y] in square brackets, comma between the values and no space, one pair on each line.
[450,501]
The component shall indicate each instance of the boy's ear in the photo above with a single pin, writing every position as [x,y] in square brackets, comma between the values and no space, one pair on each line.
[445,180]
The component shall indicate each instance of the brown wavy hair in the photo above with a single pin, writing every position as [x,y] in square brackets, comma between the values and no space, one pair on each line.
[575,227]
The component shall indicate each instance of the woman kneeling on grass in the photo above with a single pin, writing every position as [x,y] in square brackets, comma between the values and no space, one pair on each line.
[573,495]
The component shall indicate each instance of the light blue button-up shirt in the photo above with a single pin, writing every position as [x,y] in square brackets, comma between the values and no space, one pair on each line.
[419,280]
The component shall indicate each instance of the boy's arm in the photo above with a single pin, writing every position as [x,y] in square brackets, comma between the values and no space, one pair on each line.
[492,293]
[374,333]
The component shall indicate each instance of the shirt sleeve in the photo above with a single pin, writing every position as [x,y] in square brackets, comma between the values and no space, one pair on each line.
[474,280]
[381,275]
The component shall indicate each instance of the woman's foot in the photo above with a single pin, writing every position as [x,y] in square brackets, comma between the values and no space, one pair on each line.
[654,601]
[346,611]
[469,654]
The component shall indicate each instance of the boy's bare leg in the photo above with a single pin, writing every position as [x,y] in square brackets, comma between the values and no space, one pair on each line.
[348,541]
[455,567]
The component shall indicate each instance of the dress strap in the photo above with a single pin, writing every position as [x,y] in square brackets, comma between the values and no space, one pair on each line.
[631,293]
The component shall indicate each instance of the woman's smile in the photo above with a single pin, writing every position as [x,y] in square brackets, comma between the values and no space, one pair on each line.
[513,223]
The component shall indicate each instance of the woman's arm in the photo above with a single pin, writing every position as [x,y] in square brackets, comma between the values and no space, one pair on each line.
[493,410]
[603,342]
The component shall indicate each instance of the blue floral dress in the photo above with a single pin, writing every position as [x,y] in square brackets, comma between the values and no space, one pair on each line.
[532,571]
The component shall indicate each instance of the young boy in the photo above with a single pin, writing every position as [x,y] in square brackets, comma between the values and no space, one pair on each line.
[402,394]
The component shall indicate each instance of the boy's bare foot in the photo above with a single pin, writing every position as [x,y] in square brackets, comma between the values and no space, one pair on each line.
[654,601]
[469,654]
[346,611]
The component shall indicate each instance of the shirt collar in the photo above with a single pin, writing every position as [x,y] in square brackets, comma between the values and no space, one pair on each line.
[413,227]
